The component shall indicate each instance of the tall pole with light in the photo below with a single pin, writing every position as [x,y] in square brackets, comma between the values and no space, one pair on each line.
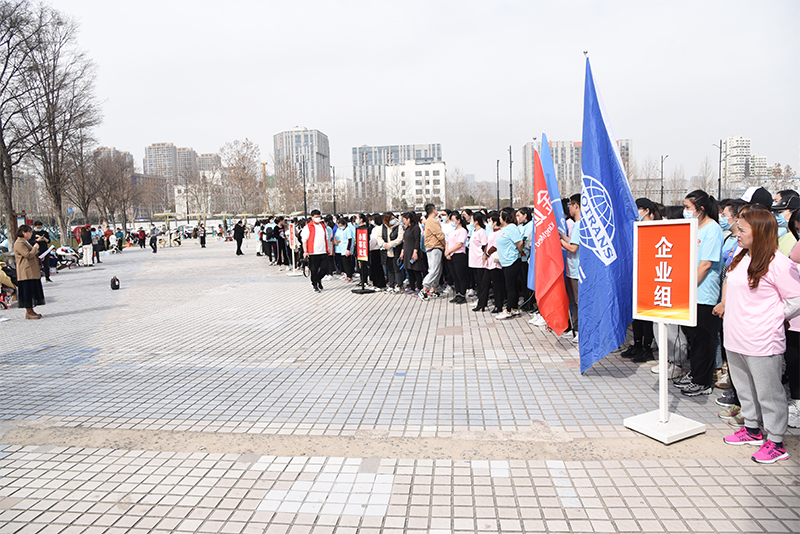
[333,177]
[305,199]
[510,179]
[719,173]
[662,178]
[498,185]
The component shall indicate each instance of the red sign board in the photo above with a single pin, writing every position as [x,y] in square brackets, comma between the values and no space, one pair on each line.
[665,271]
[362,244]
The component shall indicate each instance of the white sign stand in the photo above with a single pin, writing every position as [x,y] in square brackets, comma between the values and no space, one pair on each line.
[294,272]
[660,424]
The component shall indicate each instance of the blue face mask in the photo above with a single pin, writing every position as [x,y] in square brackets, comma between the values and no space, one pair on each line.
[640,217]
[724,223]
[782,222]
[782,231]
[688,214]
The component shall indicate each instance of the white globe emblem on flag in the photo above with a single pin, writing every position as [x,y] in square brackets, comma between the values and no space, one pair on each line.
[597,220]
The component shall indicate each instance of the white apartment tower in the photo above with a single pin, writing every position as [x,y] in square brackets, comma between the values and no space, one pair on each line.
[413,184]
[306,151]
[161,159]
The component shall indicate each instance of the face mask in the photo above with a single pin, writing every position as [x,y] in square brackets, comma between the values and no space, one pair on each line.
[782,222]
[688,214]
[724,223]
[640,217]
[452,224]
[782,231]
[393,222]
[317,219]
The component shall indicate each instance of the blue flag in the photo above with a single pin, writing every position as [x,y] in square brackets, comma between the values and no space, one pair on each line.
[552,188]
[608,211]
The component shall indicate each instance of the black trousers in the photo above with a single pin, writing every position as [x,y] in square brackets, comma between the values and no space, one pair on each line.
[459,268]
[316,264]
[492,280]
[393,273]
[154,243]
[702,345]
[347,265]
[792,357]
[511,275]
[643,333]
[203,241]
[239,247]
[283,251]
[414,280]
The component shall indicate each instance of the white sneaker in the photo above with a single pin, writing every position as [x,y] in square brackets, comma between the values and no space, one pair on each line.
[515,312]
[794,413]
[673,371]
[575,339]
[537,320]
[504,315]
[471,293]
[327,278]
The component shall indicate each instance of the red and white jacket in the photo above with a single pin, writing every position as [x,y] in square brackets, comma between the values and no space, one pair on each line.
[315,238]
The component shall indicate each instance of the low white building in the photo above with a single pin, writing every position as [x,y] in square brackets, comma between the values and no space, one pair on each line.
[414,184]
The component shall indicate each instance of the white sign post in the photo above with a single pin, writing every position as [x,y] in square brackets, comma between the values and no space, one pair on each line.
[665,292]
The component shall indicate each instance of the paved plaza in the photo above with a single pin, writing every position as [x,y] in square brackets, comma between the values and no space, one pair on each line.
[212,393]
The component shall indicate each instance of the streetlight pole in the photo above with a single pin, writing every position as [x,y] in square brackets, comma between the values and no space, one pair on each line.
[510,179]
[334,189]
[498,185]
[305,200]
[719,172]
[662,178]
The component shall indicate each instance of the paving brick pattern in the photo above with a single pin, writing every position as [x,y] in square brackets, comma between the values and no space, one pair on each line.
[200,340]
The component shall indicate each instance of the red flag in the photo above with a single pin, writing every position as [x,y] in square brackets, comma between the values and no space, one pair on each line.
[551,293]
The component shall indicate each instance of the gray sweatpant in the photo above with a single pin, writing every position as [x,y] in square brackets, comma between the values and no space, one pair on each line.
[761,394]
[434,268]
[677,346]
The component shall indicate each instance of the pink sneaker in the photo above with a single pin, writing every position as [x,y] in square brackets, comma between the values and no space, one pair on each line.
[769,453]
[742,437]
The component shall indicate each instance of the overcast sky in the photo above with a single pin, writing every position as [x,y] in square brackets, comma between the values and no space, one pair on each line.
[475,76]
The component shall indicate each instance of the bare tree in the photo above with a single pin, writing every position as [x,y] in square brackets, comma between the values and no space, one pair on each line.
[117,191]
[706,178]
[64,104]
[289,183]
[675,186]
[82,187]
[241,160]
[456,188]
[19,28]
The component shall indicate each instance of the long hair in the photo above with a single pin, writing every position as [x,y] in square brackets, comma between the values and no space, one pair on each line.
[765,243]
[703,201]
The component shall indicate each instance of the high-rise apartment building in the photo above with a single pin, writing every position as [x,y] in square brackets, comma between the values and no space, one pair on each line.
[370,163]
[187,162]
[306,151]
[209,163]
[110,152]
[567,162]
[739,163]
[161,159]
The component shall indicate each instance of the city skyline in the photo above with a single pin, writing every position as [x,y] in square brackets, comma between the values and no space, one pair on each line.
[667,73]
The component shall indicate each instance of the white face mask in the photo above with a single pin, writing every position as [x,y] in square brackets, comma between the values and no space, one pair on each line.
[317,219]
[688,214]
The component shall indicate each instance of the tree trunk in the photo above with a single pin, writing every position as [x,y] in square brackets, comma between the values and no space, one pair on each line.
[6,185]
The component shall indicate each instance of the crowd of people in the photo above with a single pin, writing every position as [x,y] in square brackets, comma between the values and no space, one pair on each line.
[746,340]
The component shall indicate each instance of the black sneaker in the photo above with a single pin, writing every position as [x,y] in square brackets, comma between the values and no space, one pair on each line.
[317,290]
[645,355]
[631,351]
[695,390]
[320,285]
[423,295]
[727,400]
